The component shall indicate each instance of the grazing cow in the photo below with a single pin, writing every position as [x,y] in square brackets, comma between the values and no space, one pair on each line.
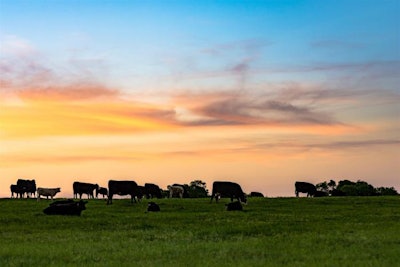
[27,186]
[236,205]
[47,192]
[84,188]
[304,187]
[65,207]
[227,189]
[122,188]
[153,207]
[175,191]
[102,191]
[17,190]
[256,194]
[185,189]
[140,192]
[152,190]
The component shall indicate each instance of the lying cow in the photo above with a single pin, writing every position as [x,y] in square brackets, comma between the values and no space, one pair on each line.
[256,194]
[47,192]
[153,207]
[65,207]
[236,205]
[175,191]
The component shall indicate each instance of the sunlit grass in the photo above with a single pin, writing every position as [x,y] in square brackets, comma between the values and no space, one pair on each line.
[361,231]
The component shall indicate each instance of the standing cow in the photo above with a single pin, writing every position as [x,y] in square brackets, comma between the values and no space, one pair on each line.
[47,192]
[84,188]
[122,188]
[27,186]
[304,187]
[17,190]
[152,190]
[175,191]
[227,189]
[102,191]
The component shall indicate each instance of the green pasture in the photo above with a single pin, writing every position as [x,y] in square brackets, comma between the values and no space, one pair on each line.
[347,231]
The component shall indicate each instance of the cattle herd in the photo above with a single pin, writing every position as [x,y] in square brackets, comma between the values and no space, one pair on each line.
[136,192]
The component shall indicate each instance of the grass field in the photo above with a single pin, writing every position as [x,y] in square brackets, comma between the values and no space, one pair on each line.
[348,231]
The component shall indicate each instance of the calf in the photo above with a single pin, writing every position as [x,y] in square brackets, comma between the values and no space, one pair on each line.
[17,190]
[236,205]
[153,207]
[102,191]
[65,207]
[47,192]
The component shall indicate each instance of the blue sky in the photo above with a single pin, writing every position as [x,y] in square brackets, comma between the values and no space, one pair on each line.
[159,39]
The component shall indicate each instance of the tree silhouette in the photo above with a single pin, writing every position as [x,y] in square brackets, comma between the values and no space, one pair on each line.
[198,188]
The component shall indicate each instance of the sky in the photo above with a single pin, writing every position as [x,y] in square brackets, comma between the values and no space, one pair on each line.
[262,93]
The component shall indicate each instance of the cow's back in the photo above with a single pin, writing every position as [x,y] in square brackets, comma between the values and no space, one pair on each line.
[226,189]
[122,187]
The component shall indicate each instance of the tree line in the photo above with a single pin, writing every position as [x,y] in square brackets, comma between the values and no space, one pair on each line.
[350,188]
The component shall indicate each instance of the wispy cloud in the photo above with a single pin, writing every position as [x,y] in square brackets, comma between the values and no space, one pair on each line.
[249,46]
[232,108]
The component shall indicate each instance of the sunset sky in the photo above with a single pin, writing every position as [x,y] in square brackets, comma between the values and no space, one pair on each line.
[262,93]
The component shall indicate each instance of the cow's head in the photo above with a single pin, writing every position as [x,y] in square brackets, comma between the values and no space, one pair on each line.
[81,204]
[243,198]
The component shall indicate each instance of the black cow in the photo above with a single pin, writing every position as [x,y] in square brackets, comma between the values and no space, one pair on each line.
[304,187]
[27,186]
[227,189]
[236,205]
[140,192]
[102,191]
[152,190]
[84,188]
[17,190]
[153,207]
[65,207]
[122,188]
[256,194]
